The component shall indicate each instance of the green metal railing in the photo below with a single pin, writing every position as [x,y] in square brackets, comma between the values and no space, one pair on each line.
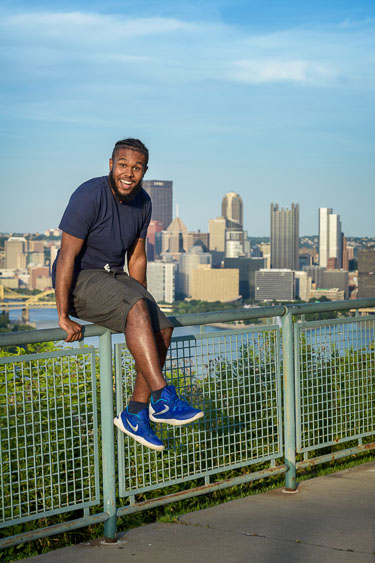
[275,399]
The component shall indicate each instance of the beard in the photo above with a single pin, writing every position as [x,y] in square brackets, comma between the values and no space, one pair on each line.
[122,197]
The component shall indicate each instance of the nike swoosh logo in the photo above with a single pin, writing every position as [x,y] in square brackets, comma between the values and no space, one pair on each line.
[135,428]
[165,409]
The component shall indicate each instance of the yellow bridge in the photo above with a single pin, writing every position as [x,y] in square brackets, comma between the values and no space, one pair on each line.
[11,300]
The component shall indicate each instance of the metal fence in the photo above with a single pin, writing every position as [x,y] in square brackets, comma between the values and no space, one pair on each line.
[275,399]
[49,439]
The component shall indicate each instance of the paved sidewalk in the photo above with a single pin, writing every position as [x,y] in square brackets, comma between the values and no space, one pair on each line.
[330,520]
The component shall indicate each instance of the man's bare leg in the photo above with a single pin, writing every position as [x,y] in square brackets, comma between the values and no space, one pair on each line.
[148,350]
[141,391]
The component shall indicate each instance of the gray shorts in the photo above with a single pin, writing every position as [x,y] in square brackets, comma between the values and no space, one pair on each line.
[105,298]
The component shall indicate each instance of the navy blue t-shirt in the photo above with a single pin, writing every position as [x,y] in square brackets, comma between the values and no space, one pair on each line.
[108,227]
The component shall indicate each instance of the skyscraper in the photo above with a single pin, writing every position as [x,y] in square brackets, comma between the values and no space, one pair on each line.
[153,228]
[188,262]
[247,268]
[15,253]
[330,239]
[276,284]
[284,237]
[175,238]
[232,210]
[366,272]
[217,229]
[161,280]
[161,193]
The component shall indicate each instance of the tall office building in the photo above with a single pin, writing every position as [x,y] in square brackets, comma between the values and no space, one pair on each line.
[217,229]
[15,253]
[197,238]
[303,285]
[161,193]
[366,272]
[237,243]
[175,238]
[316,275]
[209,284]
[153,228]
[330,239]
[284,237]
[247,268]
[188,262]
[277,284]
[161,280]
[232,210]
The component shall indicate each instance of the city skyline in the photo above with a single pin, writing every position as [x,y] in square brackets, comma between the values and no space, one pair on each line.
[274,101]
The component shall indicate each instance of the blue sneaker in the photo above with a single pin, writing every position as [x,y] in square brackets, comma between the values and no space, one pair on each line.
[138,427]
[172,410]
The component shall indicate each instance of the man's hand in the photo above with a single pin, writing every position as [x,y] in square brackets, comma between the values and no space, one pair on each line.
[70,248]
[72,329]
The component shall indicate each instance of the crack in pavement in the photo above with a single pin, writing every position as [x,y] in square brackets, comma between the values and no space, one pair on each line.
[296,541]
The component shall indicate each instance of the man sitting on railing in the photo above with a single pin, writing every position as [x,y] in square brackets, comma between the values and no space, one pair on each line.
[107,219]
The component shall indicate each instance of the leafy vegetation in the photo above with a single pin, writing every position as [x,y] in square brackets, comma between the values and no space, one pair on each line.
[195,306]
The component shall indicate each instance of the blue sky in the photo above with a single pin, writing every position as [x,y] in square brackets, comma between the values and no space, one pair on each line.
[273,100]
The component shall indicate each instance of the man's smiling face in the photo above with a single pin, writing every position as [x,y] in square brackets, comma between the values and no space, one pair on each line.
[127,169]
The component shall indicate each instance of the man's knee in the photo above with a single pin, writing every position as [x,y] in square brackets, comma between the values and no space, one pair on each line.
[139,311]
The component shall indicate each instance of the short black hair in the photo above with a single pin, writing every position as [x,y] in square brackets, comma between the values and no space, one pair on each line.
[132,144]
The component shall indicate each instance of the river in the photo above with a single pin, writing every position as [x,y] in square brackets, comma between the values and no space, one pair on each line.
[47,318]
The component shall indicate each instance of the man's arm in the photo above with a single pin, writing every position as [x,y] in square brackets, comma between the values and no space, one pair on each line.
[137,261]
[70,248]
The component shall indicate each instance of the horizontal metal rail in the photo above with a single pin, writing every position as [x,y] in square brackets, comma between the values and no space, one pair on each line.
[203,490]
[62,528]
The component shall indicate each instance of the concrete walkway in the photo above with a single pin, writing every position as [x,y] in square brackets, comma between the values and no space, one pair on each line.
[330,520]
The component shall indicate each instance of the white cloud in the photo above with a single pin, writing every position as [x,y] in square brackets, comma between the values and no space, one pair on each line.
[54,25]
[43,45]
[265,71]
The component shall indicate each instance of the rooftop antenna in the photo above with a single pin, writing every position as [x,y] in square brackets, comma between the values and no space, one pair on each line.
[177,214]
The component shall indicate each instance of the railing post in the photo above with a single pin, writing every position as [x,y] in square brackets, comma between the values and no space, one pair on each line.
[289,402]
[108,446]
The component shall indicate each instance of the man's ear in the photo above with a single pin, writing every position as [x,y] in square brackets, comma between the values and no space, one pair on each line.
[110,163]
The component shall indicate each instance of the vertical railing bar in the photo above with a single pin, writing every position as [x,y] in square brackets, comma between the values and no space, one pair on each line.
[289,402]
[108,447]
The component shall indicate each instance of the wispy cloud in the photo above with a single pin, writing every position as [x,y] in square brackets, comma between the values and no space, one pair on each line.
[57,58]
[265,71]
[174,50]
[58,23]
